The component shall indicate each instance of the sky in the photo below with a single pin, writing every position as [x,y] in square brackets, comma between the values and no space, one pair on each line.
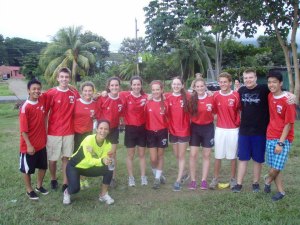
[38,20]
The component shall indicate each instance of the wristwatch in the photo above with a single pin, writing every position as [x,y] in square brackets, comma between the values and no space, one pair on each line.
[281,144]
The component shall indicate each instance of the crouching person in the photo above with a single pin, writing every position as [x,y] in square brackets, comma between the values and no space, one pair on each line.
[92,159]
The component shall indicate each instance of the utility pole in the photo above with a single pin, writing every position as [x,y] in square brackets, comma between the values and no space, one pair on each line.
[137,49]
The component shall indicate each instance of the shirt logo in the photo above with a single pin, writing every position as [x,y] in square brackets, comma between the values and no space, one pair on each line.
[279,109]
[119,107]
[143,102]
[209,107]
[92,113]
[72,98]
[230,102]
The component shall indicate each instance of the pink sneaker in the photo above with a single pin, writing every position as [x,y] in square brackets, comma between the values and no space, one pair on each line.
[203,185]
[192,185]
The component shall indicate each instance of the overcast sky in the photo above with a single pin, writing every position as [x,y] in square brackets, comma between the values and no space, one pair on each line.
[38,20]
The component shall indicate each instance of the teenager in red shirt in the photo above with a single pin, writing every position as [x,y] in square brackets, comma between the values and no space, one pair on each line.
[156,130]
[60,140]
[33,139]
[179,125]
[135,133]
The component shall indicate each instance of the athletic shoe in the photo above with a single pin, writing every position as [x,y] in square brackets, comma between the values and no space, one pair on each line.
[131,181]
[214,183]
[144,181]
[267,188]
[232,183]
[278,196]
[237,188]
[203,185]
[107,199]
[184,178]
[32,195]
[192,185]
[64,187]
[176,186]
[156,184]
[42,190]
[255,187]
[113,183]
[54,184]
[66,198]
[163,179]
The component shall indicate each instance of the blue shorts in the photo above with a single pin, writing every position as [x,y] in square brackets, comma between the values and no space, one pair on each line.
[277,161]
[252,147]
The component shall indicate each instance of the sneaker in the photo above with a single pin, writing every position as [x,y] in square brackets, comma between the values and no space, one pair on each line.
[163,179]
[176,186]
[131,181]
[54,184]
[192,185]
[184,178]
[64,187]
[32,195]
[156,184]
[66,198]
[255,187]
[203,185]
[267,188]
[144,181]
[237,188]
[214,183]
[42,190]
[278,196]
[107,199]
[113,183]
[232,183]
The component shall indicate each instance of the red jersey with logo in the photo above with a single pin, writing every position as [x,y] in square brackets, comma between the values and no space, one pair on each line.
[179,120]
[134,108]
[205,110]
[84,114]
[32,121]
[110,109]
[60,105]
[281,113]
[227,108]
[156,115]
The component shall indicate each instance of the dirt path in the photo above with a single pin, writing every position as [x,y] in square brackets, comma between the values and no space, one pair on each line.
[18,87]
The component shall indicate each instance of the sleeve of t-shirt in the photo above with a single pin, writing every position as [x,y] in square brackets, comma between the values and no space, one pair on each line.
[290,114]
[23,121]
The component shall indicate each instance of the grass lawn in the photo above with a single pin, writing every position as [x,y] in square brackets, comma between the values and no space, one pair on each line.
[4,90]
[141,205]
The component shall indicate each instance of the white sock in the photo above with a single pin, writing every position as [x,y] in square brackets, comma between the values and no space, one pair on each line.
[153,171]
[158,174]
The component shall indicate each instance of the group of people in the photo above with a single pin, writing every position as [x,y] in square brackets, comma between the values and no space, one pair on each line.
[243,129]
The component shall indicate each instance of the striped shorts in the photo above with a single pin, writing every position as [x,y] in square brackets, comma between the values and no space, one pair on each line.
[274,160]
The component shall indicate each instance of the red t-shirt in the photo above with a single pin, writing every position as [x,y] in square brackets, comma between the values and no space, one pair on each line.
[134,112]
[110,109]
[227,108]
[60,105]
[281,113]
[179,120]
[156,117]
[84,113]
[205,111]
[32,121]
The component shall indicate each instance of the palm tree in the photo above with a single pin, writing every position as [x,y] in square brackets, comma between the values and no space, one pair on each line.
[67,50]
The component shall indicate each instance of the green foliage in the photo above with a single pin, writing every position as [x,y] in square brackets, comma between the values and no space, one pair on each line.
[237,73]
[4,90]
[98,79]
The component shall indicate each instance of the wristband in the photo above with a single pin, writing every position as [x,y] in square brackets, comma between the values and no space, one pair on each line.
[281,144]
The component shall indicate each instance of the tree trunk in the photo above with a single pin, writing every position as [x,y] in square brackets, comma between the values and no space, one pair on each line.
[74,70]
[208,59]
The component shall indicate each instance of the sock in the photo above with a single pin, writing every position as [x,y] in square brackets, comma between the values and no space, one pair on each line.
[158,174]
[153,171]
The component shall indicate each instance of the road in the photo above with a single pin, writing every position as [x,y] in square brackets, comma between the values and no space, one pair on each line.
[19,88]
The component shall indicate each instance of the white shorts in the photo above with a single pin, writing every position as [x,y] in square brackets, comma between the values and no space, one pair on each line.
[59,146]
[226,143]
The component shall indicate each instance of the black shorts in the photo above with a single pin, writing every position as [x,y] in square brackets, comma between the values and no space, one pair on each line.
[28,163]
[202,135]
[157,139]
[113,135]
[135,136]
[78,138]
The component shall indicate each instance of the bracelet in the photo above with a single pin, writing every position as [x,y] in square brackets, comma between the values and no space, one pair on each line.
[281,144]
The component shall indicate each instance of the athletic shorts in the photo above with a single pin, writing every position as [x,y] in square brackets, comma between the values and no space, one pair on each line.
[252,147]
[157,139]
[277,161]
[177,139]
[135,136]
[58,146]
[202,135]
[78,138]
[113,135]
[226,141]
[28,163]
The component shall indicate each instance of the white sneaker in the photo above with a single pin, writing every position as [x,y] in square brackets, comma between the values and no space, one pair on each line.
[144,181]
[107,199]
[67,198]
[131,181]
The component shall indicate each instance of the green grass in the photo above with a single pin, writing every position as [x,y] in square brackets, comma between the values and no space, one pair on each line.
[141,205]
[4,90]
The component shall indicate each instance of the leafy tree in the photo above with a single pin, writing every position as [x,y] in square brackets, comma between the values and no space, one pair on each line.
[3,53]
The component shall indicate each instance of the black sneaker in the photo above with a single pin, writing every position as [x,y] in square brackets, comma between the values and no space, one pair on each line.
[54,184]
[255,188]
[32,195]
[64,187]
[267,188]
[278,196]
[237,188]
[42,190]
